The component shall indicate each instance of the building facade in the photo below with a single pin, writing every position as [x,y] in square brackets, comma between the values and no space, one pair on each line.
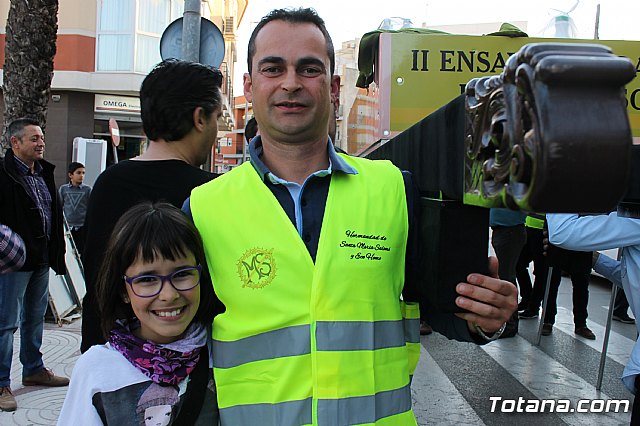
[105,48]
[233,146]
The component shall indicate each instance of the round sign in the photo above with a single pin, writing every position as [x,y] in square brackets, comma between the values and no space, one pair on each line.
[114,131]
[211,42]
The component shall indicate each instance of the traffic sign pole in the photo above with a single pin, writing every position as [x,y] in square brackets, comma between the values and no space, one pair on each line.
[191,31]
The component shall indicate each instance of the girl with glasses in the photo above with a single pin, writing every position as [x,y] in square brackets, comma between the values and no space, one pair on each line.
[155,300]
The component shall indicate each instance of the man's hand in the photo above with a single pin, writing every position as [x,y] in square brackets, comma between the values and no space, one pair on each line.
[489,300]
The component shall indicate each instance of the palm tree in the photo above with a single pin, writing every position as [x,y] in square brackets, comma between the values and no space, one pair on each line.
[28,67]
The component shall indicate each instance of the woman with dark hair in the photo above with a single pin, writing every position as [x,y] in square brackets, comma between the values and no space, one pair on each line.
[155,302]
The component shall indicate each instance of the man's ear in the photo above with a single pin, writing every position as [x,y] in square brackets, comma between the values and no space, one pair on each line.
[246,83]
[199,118]
[14,141]
[335,90]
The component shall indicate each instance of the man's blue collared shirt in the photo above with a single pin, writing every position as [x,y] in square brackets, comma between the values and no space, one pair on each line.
[304,204]
[602,232]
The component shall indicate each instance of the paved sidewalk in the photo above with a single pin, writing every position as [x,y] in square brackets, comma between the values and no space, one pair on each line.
[39,405]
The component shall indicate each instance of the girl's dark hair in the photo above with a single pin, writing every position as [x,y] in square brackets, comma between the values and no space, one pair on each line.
[148,231]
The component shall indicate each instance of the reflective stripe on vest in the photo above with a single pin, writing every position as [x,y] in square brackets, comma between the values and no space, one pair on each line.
[330,336]
[333,332]
[359,336]
[290,341]
[364,409]
[286,413]
[335,412]
[411,322]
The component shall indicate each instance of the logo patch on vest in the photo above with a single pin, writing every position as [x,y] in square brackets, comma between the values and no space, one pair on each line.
[257,268]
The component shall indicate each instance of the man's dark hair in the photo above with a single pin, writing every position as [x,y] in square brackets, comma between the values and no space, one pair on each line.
[74,166]
[251,129]
[293,16]
[148,231]
[171,92]
[16,127]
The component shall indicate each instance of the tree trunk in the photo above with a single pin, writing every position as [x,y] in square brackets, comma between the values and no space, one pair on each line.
[28,66]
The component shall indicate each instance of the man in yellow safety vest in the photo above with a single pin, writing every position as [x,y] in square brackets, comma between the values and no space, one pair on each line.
[310,253]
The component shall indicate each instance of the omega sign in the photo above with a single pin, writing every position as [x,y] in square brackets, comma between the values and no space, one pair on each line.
[112,103]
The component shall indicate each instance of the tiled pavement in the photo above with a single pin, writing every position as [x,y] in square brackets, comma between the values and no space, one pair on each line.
[39,405]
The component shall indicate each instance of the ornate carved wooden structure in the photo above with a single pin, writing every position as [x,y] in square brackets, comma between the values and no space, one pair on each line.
[551,133]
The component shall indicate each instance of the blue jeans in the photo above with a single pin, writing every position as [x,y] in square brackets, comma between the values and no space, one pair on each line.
[23,303]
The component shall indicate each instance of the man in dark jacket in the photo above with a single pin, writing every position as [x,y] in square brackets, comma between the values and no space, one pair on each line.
[28,204]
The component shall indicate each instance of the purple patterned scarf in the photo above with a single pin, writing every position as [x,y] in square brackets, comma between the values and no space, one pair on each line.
[163,364]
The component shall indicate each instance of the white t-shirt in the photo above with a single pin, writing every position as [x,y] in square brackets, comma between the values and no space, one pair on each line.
[106,389]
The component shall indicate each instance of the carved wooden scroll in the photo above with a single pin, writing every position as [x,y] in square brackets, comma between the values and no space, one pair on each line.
[551,133]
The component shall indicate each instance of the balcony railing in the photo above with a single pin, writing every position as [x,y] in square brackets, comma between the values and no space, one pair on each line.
[227,120]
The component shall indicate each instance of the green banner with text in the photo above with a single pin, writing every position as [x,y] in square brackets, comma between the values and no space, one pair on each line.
[428,71]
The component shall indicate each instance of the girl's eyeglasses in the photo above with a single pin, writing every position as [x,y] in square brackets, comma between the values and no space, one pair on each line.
[151,285]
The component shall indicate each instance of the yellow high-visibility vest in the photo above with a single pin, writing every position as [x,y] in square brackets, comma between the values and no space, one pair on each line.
[302,343]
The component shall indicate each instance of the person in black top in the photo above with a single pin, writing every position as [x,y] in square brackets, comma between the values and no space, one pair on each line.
[180,104]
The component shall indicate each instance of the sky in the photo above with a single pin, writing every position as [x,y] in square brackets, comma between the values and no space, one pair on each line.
[349,19]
